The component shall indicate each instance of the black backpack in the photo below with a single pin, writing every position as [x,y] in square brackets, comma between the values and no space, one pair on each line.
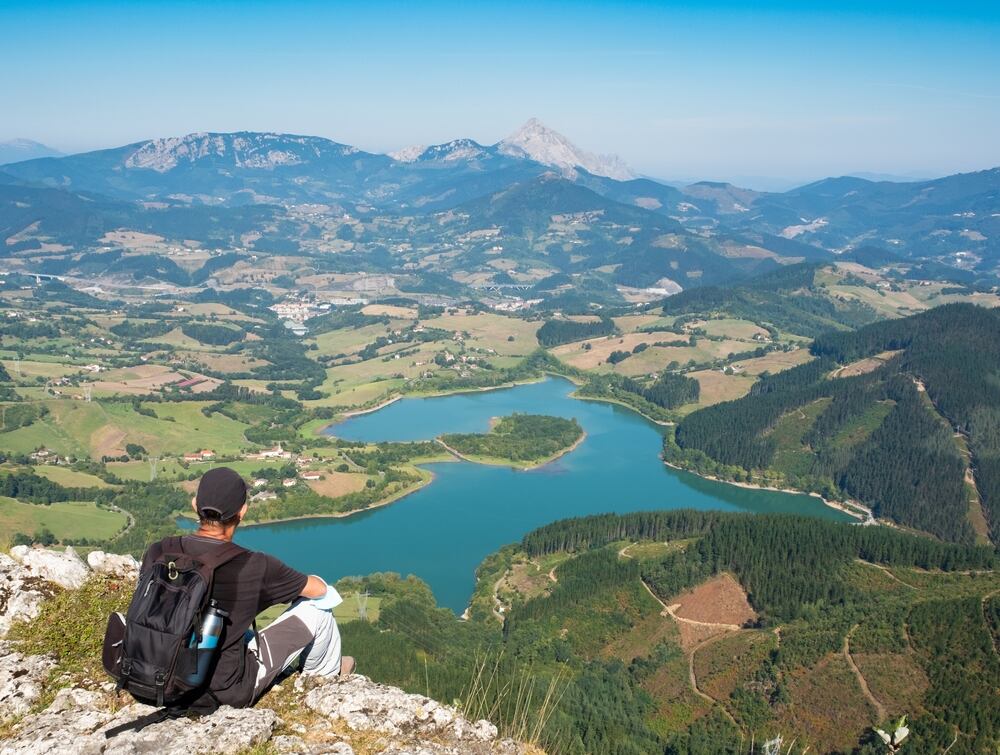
[149,653]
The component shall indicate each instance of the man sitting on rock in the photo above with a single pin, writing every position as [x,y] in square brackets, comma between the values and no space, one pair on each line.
[251,582]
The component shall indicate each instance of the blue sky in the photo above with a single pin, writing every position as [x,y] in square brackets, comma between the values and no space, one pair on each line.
[695,90]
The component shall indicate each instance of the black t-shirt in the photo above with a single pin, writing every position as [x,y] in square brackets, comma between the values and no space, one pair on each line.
[243,587]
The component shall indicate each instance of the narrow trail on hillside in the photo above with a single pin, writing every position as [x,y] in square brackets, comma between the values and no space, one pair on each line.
[887,572]
[693,680]
[880,711]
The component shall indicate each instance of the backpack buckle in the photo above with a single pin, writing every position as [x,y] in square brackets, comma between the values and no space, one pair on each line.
[172,573]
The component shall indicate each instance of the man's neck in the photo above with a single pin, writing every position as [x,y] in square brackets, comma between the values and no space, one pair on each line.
[214,534]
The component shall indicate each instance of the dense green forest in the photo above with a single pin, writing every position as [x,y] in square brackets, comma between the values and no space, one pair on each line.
[800,574]
[884,437]
[556,332]
[519,438]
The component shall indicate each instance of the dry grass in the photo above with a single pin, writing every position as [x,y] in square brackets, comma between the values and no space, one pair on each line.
[390,310]
[717,387]
[336,484]
[776,361]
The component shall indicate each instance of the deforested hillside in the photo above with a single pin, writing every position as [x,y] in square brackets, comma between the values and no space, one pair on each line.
[901,415]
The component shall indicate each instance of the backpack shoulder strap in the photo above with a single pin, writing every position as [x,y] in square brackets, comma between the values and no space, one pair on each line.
[224,553]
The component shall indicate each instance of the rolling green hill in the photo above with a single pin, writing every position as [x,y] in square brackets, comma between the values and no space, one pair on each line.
[900,415]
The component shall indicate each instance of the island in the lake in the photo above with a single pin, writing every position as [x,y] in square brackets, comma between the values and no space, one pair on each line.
[523,441]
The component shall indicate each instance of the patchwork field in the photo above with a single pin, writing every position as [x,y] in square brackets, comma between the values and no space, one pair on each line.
[69,477]
[75,520]
[77,428]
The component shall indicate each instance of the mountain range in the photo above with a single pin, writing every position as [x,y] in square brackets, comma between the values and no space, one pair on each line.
[18,150]
[281,192]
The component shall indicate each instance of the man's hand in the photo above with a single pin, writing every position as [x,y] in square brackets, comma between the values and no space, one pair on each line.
[315,587]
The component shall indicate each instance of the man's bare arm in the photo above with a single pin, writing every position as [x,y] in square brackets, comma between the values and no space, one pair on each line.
[315,588]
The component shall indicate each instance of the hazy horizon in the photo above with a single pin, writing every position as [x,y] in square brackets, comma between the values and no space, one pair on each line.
[786,94]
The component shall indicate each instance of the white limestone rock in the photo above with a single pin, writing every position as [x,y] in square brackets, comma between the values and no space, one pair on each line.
[365,705]
[21,680]
[21,593]
[65,568]
[113,564]
[76,721]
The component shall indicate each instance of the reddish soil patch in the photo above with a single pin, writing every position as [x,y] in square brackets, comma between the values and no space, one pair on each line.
[720,600]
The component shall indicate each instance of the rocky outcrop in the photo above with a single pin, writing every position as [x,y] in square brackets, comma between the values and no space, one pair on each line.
[21,593]
[21,680]
[110,563]
[389,720]
[65,568]
[77,720]
[329,716]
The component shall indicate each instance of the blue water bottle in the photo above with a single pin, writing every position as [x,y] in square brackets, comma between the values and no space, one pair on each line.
[207,642]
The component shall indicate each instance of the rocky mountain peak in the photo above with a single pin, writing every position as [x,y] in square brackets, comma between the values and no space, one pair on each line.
[536,141]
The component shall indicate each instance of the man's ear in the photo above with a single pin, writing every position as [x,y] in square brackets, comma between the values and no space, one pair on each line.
[194,504]
[243,511]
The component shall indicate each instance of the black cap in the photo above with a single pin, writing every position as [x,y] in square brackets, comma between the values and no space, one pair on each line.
[221,494]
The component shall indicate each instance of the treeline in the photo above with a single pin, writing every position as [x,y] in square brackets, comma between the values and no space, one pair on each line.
[556,332]
[520,437]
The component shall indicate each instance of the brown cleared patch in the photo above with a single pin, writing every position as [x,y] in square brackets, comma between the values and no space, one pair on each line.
[720,600]
[731,661]
[336,484]
[107,441]
[190,486]
[895,680]
[864,366]
[526,580]
[828,710]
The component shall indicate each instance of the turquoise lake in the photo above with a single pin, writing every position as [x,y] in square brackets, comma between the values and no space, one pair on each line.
[442,532]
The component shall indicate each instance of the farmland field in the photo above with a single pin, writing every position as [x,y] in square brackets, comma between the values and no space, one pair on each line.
[74,520]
